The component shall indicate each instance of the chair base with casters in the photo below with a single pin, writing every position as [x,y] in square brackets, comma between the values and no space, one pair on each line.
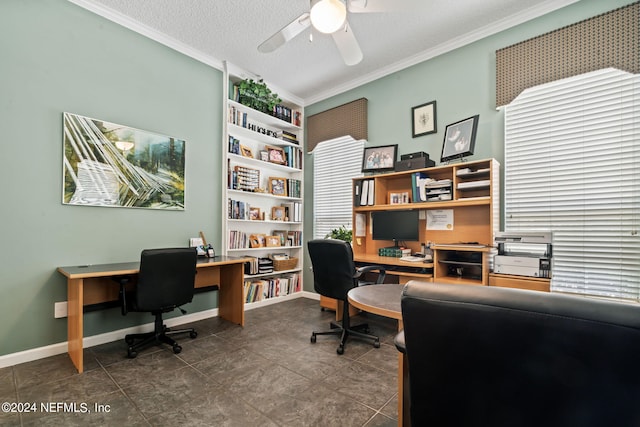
[160,335]
[345,330]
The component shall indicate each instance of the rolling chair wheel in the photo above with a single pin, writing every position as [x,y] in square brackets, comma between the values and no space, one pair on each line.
[376,344]
[193,334]
[131,353]
[340,350]
[177,349]
[313,338]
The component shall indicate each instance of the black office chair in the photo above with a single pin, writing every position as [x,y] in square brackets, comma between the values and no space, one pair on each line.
[334,274]
[165,282]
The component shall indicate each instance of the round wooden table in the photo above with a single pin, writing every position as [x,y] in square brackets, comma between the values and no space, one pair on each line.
[384,300]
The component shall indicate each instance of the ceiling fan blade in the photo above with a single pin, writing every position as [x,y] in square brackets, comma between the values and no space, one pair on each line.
[347,45]
[294,28]
[370,6]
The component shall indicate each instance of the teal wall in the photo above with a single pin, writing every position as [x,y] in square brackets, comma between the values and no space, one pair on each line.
[462,82]
[58,57]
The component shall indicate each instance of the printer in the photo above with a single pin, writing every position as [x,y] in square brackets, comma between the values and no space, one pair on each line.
[523,253]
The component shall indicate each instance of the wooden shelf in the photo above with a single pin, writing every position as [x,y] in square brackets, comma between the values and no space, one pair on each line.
[475,219]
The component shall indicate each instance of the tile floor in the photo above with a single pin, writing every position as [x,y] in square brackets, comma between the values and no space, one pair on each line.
[265,374]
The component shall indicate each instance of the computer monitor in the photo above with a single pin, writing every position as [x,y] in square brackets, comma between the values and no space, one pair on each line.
[396,225]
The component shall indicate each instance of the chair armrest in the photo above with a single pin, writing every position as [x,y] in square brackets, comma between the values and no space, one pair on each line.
[399,342]
[382,272]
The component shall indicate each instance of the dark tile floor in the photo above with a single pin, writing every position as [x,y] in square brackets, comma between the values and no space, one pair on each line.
[265,374]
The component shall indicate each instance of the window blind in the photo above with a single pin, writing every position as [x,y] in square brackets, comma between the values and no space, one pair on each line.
[335,163]
[572,166]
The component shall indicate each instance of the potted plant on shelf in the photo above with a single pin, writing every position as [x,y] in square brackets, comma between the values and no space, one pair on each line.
[256,95]
[340,233]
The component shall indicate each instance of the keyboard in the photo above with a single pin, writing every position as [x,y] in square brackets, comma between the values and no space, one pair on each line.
[412,258]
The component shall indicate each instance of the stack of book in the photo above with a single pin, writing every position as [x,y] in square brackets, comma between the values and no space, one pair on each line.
[288,136]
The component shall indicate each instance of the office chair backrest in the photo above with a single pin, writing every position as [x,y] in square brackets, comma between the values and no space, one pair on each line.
[486,356]
[166,279]
[333,267]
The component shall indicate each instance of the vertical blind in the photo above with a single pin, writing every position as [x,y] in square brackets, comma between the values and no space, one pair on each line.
[572,166]
[335,163]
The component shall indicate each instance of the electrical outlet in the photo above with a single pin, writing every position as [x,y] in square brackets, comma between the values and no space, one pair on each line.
[60,309]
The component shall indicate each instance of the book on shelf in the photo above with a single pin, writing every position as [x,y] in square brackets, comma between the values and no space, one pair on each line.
[292,211]
[238,209]
[366,188]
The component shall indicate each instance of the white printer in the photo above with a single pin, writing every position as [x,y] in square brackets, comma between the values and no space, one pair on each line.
[523,253]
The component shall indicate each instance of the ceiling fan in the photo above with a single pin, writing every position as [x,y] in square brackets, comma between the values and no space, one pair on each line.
[328,17]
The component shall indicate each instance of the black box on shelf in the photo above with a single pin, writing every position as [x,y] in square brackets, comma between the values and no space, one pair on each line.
[415,163]
[414,155]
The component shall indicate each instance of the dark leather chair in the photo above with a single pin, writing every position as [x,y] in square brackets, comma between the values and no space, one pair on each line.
[334,274]
[486,356]
[165,282]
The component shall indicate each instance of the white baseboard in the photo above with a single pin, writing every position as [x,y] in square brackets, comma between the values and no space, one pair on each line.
[94,340]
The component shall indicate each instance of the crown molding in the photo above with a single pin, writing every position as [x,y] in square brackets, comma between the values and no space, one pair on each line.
[449,46]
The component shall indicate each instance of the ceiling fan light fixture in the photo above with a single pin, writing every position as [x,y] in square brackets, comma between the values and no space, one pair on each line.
[327,16]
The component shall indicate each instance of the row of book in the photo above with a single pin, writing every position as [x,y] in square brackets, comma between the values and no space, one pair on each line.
[241,240]
[294,188]
[241,118]
[292,211]
[292,155]
[261,289]
[364,193]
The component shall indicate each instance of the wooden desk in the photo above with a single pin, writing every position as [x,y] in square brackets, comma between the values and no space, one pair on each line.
[93,284]
[384,300]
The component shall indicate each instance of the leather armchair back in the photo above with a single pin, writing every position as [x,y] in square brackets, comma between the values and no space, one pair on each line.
[486,356]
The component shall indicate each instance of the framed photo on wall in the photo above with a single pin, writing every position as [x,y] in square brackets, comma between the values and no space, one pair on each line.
[459,139]
[423,119]
[379,159]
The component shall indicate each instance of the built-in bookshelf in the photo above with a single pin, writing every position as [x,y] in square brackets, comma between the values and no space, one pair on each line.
[263,195]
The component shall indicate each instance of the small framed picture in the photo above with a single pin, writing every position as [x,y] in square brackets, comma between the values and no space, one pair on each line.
[278,186]
[257,241]
[459,139]
[398,198]
[255,214]
[264,156]
[282,235]
[276,155]
[272,241]
[277,213]
[423,119]
[379,159]
[246,151]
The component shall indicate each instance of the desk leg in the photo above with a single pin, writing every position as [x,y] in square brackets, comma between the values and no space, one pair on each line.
[231,293]
[75,298]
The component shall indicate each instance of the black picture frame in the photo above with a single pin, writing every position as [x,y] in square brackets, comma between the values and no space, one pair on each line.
[379,159]
[423,119]
[459,139]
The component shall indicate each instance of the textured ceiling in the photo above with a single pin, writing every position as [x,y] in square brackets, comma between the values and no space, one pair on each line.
[410,32]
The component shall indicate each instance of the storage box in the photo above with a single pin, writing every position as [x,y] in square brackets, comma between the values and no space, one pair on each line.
[285,264]
[415,163]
